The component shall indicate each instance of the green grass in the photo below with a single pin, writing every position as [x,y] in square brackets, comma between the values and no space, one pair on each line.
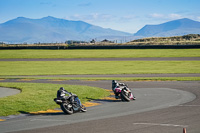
[36,97]
[29,78]
[97,67]
[113,53]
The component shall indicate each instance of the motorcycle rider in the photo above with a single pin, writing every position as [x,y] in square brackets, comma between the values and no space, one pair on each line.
[114,82]
[115,85]
[116,94]
[61,94]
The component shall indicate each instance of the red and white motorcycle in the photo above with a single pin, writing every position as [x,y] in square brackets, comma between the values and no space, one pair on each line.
[122,91]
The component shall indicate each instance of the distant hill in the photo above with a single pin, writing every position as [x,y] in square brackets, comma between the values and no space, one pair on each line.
[50,29]
[172,28]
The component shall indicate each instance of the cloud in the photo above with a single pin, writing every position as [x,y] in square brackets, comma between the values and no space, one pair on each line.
[165,16]
[156,15]
[92,17]
[47,4]
[85,4]
[198,18]
[129,17]
[174,16]
[101,17]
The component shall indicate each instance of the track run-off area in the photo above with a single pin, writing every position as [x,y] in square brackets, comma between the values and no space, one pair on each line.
[161,106]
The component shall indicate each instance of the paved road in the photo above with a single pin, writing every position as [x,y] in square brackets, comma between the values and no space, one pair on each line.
[8,91]
[159,108]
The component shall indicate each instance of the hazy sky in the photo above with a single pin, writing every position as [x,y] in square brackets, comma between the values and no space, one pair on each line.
[124,15]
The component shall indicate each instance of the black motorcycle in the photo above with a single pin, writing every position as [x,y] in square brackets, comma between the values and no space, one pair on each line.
[70,104]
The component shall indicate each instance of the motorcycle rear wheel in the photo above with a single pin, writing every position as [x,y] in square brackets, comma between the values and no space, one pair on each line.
[65,108]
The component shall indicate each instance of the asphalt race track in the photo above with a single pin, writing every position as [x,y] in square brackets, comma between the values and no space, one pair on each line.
[8,91]
[157,109]
[161,107]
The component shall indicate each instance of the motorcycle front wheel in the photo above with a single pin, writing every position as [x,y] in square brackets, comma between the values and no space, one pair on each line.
[83,108]
[67,108]
[124,97]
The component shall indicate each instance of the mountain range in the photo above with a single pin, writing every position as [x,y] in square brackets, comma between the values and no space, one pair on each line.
[51,30]
[172,28]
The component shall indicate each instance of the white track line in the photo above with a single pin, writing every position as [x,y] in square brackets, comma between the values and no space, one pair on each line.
[189,105]
[49,120]
[159,124]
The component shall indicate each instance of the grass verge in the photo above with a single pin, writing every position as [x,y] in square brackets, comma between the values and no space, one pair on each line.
[35,97]
[94,53]
[97,67]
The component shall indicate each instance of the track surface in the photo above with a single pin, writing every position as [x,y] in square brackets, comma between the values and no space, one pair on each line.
[166,106]
[146,114]
[8,91]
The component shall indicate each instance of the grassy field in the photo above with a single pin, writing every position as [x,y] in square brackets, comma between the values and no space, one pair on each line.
[97,67]
[117,53]
[35,97]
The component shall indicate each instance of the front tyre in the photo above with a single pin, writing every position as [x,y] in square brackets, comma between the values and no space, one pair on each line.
[67,108]
[124,97]
[83,108]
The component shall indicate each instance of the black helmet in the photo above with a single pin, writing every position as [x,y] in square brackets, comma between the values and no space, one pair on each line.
[114,81]
[61,88]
